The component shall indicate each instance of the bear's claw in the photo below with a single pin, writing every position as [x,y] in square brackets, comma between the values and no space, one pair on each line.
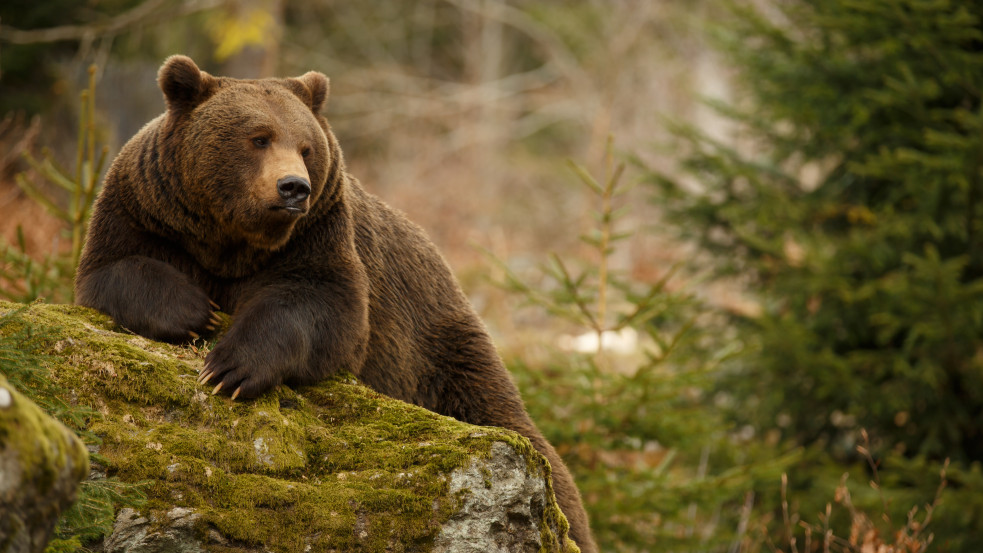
[214,321]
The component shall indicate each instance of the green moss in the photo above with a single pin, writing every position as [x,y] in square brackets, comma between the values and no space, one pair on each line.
[45,447]
[49,461]
[64,546]
[331,466]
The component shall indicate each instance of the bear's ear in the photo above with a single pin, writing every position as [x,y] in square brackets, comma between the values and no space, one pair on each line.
[318,86]
[184,85]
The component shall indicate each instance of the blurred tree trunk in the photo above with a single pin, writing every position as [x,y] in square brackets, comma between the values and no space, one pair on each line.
[484,51]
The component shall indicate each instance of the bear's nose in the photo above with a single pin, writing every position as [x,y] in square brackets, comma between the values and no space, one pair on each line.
[293,189]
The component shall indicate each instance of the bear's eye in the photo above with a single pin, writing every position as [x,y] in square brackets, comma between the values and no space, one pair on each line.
[261,141]
[305,152]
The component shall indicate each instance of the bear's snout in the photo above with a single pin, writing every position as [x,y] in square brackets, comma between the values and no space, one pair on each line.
[293,190]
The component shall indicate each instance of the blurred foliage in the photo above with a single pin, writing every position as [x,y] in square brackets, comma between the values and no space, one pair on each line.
[850,204]
[24,278]
[654,444]
[27,71]
[233,32]
[656,464]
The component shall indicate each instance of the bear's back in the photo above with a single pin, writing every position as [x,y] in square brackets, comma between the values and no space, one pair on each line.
[413,298]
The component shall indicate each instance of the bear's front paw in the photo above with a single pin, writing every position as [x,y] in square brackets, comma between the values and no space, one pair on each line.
[181,318]
[233,371]
[149,297]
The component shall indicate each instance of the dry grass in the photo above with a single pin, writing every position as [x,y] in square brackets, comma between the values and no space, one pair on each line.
[868,533]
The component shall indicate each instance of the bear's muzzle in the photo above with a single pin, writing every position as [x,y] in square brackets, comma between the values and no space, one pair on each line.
[294,191]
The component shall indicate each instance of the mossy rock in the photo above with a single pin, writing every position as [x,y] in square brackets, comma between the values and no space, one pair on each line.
[335,466]
[41,465]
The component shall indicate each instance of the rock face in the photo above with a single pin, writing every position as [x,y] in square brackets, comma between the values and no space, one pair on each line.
[41,465]
[174,532]
[503,504]
[331,467]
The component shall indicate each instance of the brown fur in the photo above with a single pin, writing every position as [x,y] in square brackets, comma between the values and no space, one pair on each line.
[190,214]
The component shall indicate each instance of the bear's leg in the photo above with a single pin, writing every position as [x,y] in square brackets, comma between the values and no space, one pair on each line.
[149,297]
[292,333]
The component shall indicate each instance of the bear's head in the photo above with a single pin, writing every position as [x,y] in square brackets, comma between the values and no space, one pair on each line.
[251,157]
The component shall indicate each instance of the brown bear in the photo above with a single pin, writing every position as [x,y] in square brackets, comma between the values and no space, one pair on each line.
[238,196]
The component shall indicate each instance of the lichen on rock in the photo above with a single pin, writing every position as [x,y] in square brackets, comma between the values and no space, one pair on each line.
[335,466]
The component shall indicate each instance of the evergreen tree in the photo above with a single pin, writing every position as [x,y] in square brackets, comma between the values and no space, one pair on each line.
[852,202]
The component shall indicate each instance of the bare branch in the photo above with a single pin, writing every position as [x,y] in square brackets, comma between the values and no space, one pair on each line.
[10,125]
[147,12]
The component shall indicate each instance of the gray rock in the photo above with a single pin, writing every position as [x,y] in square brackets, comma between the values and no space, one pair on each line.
[502,508]
[172,533]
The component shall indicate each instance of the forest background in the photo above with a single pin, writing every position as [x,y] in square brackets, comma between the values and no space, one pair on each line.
[730,251]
